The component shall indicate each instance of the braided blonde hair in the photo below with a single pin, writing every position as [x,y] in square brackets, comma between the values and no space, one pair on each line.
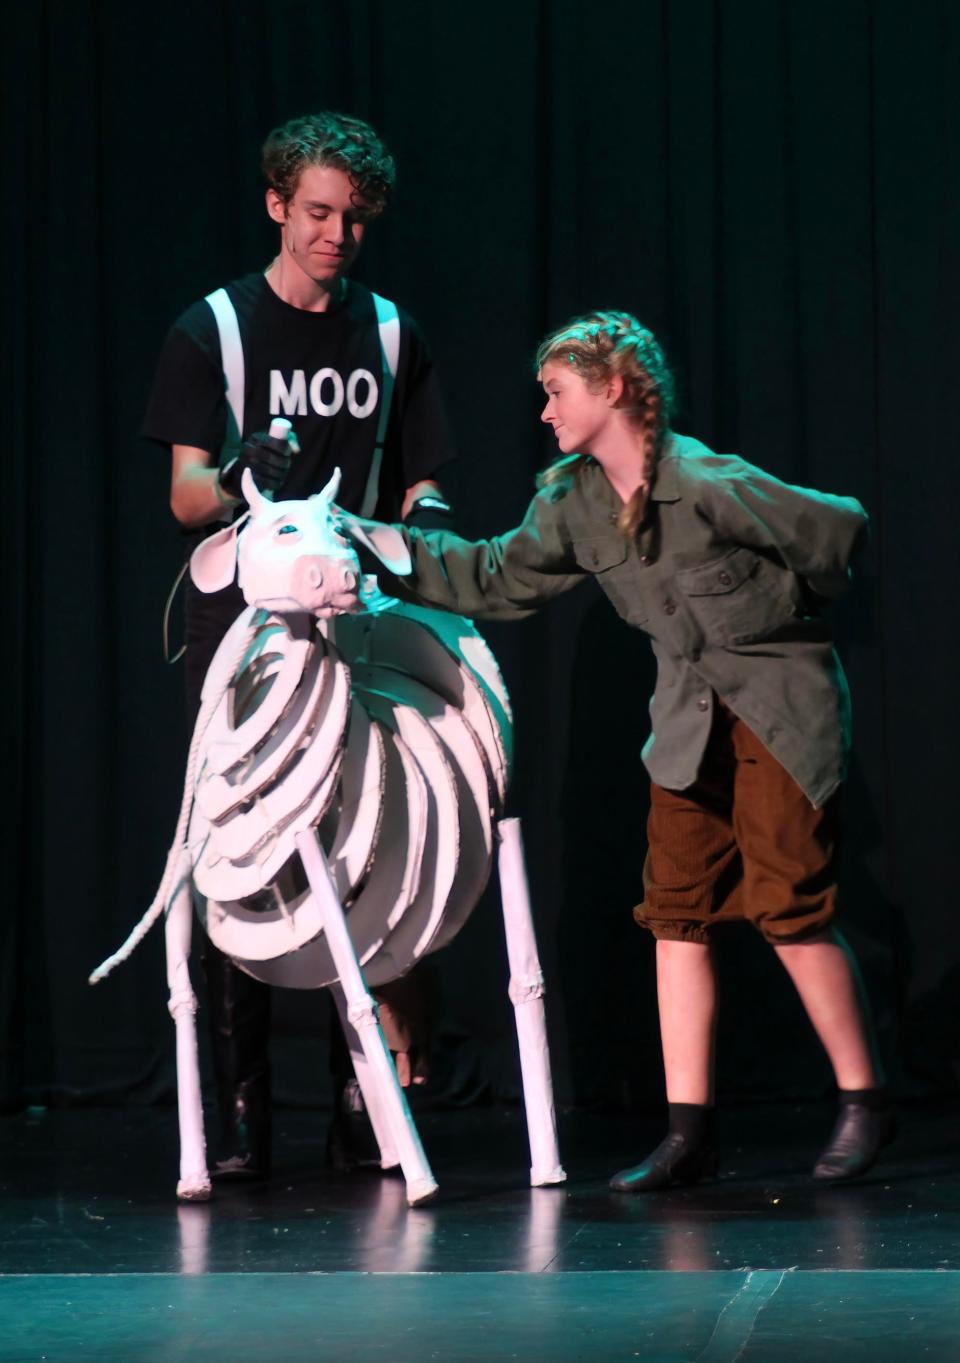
[598,346]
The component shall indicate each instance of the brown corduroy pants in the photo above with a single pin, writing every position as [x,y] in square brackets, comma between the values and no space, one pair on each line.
[742,842]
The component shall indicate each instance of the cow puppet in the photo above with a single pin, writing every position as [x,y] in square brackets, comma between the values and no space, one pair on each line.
[347,771]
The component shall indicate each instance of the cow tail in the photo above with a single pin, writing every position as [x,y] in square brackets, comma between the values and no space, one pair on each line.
[179,865]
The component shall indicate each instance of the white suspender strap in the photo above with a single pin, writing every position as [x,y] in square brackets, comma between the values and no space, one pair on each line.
[231,351]
[388,327]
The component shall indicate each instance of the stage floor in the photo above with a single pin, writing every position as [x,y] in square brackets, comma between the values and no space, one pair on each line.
[760,1266]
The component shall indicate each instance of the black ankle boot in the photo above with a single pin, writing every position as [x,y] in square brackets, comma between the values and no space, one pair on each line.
[686,1155]
[865,1123]
[239,1010]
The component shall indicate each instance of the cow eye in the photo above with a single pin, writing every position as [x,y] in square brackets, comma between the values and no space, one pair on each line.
[288,530]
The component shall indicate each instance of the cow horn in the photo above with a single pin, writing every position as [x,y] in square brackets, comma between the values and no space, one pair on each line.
[329,492]
[254,497]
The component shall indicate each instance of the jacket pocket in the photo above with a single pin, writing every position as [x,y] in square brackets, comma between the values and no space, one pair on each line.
[607,558]
[738,598]
[598,554]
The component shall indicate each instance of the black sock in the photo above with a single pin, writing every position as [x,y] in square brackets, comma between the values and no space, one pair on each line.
[877,1099]
[695,1122]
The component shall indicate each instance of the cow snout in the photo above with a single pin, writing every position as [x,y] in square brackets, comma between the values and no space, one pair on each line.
[326,586]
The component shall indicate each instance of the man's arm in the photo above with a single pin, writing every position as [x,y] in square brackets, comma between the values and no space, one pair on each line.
[425,487]
[419,445]
[200,494]
[426,490]
[196,497]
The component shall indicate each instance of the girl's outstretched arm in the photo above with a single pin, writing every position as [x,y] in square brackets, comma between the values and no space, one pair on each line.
[505,577]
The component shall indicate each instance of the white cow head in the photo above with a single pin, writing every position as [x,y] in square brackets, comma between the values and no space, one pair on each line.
[293,556]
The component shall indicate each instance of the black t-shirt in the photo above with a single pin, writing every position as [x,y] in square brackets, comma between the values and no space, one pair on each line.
[321,370]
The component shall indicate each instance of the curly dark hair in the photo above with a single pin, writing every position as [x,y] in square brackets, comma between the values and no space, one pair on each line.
[330,139]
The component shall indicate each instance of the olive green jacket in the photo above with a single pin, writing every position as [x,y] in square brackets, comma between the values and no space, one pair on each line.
[727,577]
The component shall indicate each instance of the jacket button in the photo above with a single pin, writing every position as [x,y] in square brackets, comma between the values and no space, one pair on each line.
[703,703]
[669,608]
[594,557]
[724,579]
[645,559]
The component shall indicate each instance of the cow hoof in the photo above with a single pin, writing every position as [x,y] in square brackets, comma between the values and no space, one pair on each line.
[420,1191]
[194,1190]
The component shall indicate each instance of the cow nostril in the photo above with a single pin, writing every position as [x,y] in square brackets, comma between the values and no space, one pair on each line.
[349,579]
[315,576]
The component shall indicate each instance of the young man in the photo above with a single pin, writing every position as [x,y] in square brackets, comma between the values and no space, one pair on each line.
[352,375]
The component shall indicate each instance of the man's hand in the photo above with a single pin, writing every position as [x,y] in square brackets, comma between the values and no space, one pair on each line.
[267,458]
[426,508]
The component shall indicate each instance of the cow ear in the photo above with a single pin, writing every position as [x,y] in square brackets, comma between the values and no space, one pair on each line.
[384,541]
[214,562]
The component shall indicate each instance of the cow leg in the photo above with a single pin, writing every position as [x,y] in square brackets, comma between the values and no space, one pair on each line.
[526,995]
[372,1098]
[362,1013]
[194,1182]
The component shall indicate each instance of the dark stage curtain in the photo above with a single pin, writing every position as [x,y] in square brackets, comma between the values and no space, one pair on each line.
[773,186]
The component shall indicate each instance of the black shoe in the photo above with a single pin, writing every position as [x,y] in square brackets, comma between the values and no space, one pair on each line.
[239,1168]
[243,1152]
[351,1143]
[675,1161]
[239,1011]
[857,1138]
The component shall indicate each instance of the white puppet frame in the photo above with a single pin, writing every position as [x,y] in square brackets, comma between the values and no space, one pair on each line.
[390,1116]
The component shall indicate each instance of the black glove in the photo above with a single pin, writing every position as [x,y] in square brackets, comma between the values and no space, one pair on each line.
[267,458]
[432,511]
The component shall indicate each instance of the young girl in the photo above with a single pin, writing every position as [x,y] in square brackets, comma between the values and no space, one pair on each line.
[726,569]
